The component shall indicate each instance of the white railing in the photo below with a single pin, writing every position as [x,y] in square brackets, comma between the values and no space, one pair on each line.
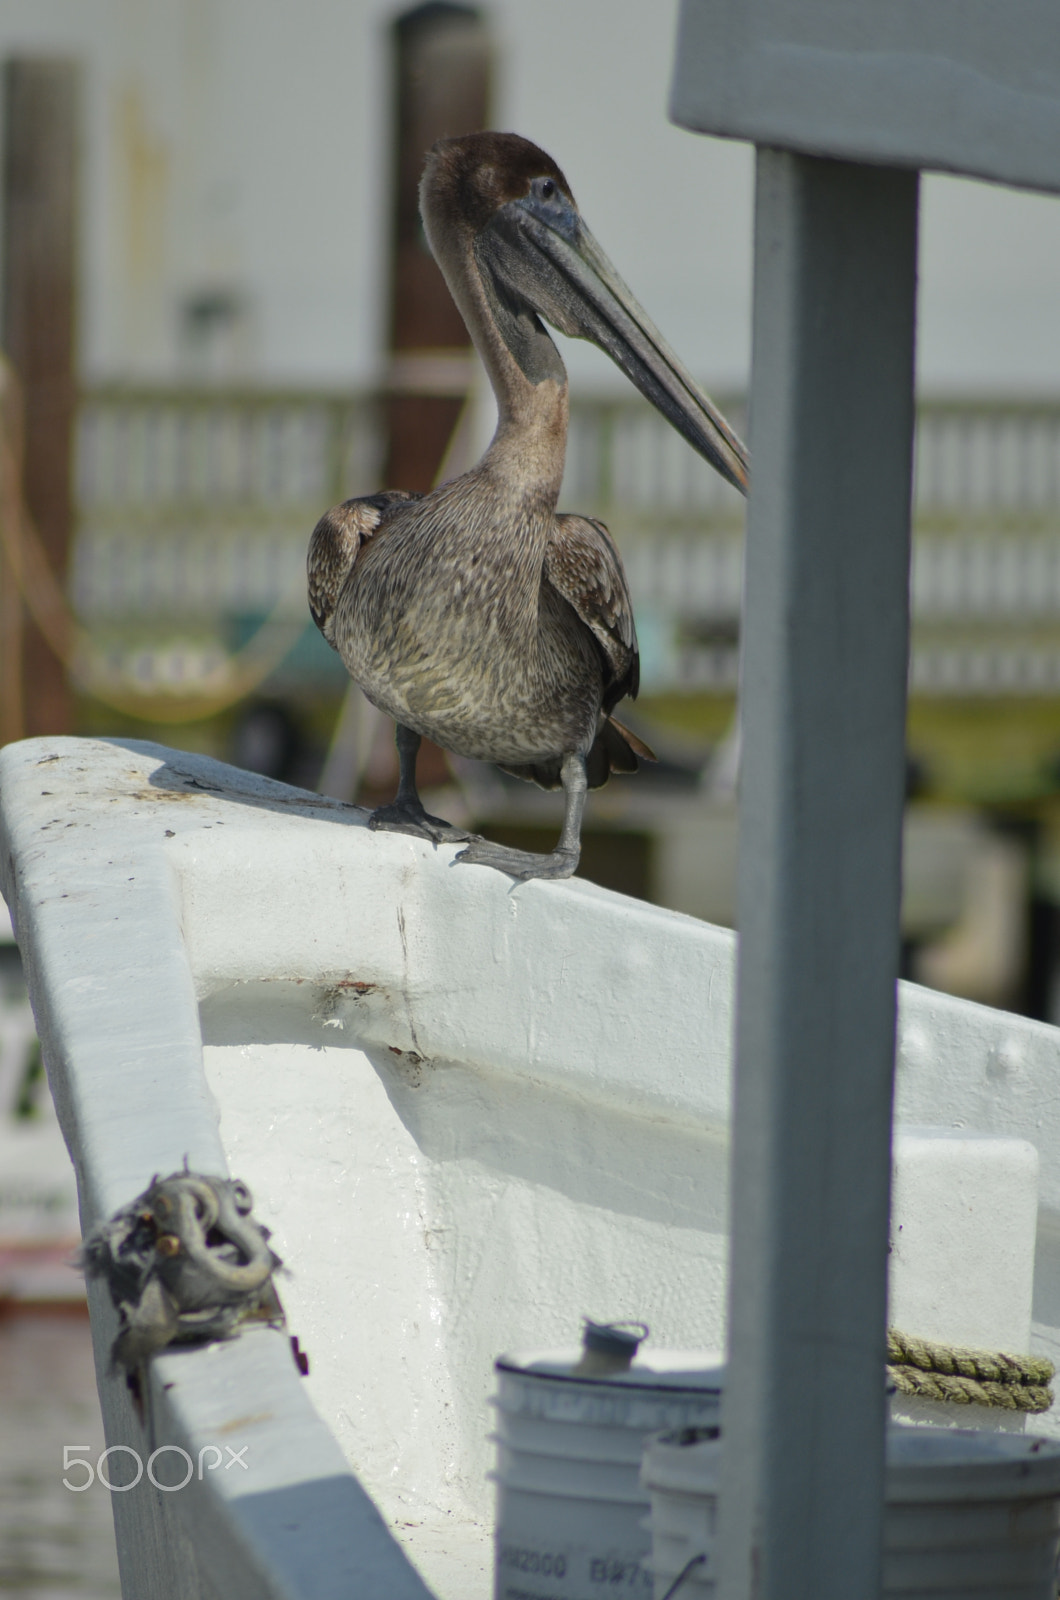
[145,453]
[973,458]
[977,457]
[198,506]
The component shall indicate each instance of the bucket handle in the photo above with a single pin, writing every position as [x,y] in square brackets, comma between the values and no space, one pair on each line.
[685,1572]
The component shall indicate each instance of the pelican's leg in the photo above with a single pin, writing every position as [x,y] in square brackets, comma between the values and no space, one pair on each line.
[563,861]
[405,814]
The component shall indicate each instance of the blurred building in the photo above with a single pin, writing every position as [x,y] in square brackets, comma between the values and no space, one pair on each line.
[235,180]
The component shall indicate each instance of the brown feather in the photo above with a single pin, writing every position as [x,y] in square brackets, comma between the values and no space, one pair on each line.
[616,750]
[583,565]
[635,745]
[334,545]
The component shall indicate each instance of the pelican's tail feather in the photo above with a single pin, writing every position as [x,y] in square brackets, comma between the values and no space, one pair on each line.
[615,749]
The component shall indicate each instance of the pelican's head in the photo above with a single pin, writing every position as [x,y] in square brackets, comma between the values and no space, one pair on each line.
[508,202]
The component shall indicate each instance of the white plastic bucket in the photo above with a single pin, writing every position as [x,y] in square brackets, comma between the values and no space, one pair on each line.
[971,1514]
[968,1514]
[680,1472]
[571,1511]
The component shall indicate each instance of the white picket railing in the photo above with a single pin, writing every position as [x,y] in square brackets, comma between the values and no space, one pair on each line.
[197,506]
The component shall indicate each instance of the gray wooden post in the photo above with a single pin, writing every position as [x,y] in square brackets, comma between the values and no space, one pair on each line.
[823,704]
[968,89]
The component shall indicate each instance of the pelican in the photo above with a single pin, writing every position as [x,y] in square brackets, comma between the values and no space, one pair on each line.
[477,615]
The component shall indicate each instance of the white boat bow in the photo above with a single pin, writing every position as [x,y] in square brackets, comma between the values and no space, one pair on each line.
[469,1112]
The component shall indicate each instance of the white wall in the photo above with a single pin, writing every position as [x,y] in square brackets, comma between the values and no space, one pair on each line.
[240,145]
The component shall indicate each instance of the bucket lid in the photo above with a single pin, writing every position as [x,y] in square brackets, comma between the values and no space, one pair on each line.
[947,1464]
[702,1370]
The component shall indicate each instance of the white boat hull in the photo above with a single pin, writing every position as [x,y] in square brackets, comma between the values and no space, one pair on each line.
[470,1112]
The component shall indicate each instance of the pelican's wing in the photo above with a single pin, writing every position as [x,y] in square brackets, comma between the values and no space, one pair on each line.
[583,565]
[334,545]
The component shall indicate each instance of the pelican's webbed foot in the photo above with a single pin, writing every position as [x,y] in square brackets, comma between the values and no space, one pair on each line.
[409,816]
[405,813]
[521,864]
[563,862]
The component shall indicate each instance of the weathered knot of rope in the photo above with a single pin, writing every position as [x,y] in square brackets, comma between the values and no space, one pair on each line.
[968,1377]
[184,1262]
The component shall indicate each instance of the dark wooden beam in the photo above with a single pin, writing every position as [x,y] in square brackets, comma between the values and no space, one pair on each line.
[40,118]
[12,709]
[442,65]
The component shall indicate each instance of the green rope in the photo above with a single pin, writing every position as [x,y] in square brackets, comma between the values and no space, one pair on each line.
[968,1377]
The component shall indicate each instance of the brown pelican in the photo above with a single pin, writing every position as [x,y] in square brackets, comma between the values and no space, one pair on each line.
[476,615]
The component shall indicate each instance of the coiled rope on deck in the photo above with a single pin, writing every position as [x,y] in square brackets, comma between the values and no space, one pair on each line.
[968,1377]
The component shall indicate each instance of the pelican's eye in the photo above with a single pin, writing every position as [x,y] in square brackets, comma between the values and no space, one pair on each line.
[551,207]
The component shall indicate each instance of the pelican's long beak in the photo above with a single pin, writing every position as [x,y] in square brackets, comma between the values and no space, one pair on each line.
[569,281]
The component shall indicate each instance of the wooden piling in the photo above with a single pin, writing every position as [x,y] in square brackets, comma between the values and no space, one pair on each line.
[38,329]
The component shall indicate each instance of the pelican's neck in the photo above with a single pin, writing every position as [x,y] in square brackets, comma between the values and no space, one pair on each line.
[525,370]
[528,449]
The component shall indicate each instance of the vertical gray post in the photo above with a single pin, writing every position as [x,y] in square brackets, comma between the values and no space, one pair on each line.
[823,705]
